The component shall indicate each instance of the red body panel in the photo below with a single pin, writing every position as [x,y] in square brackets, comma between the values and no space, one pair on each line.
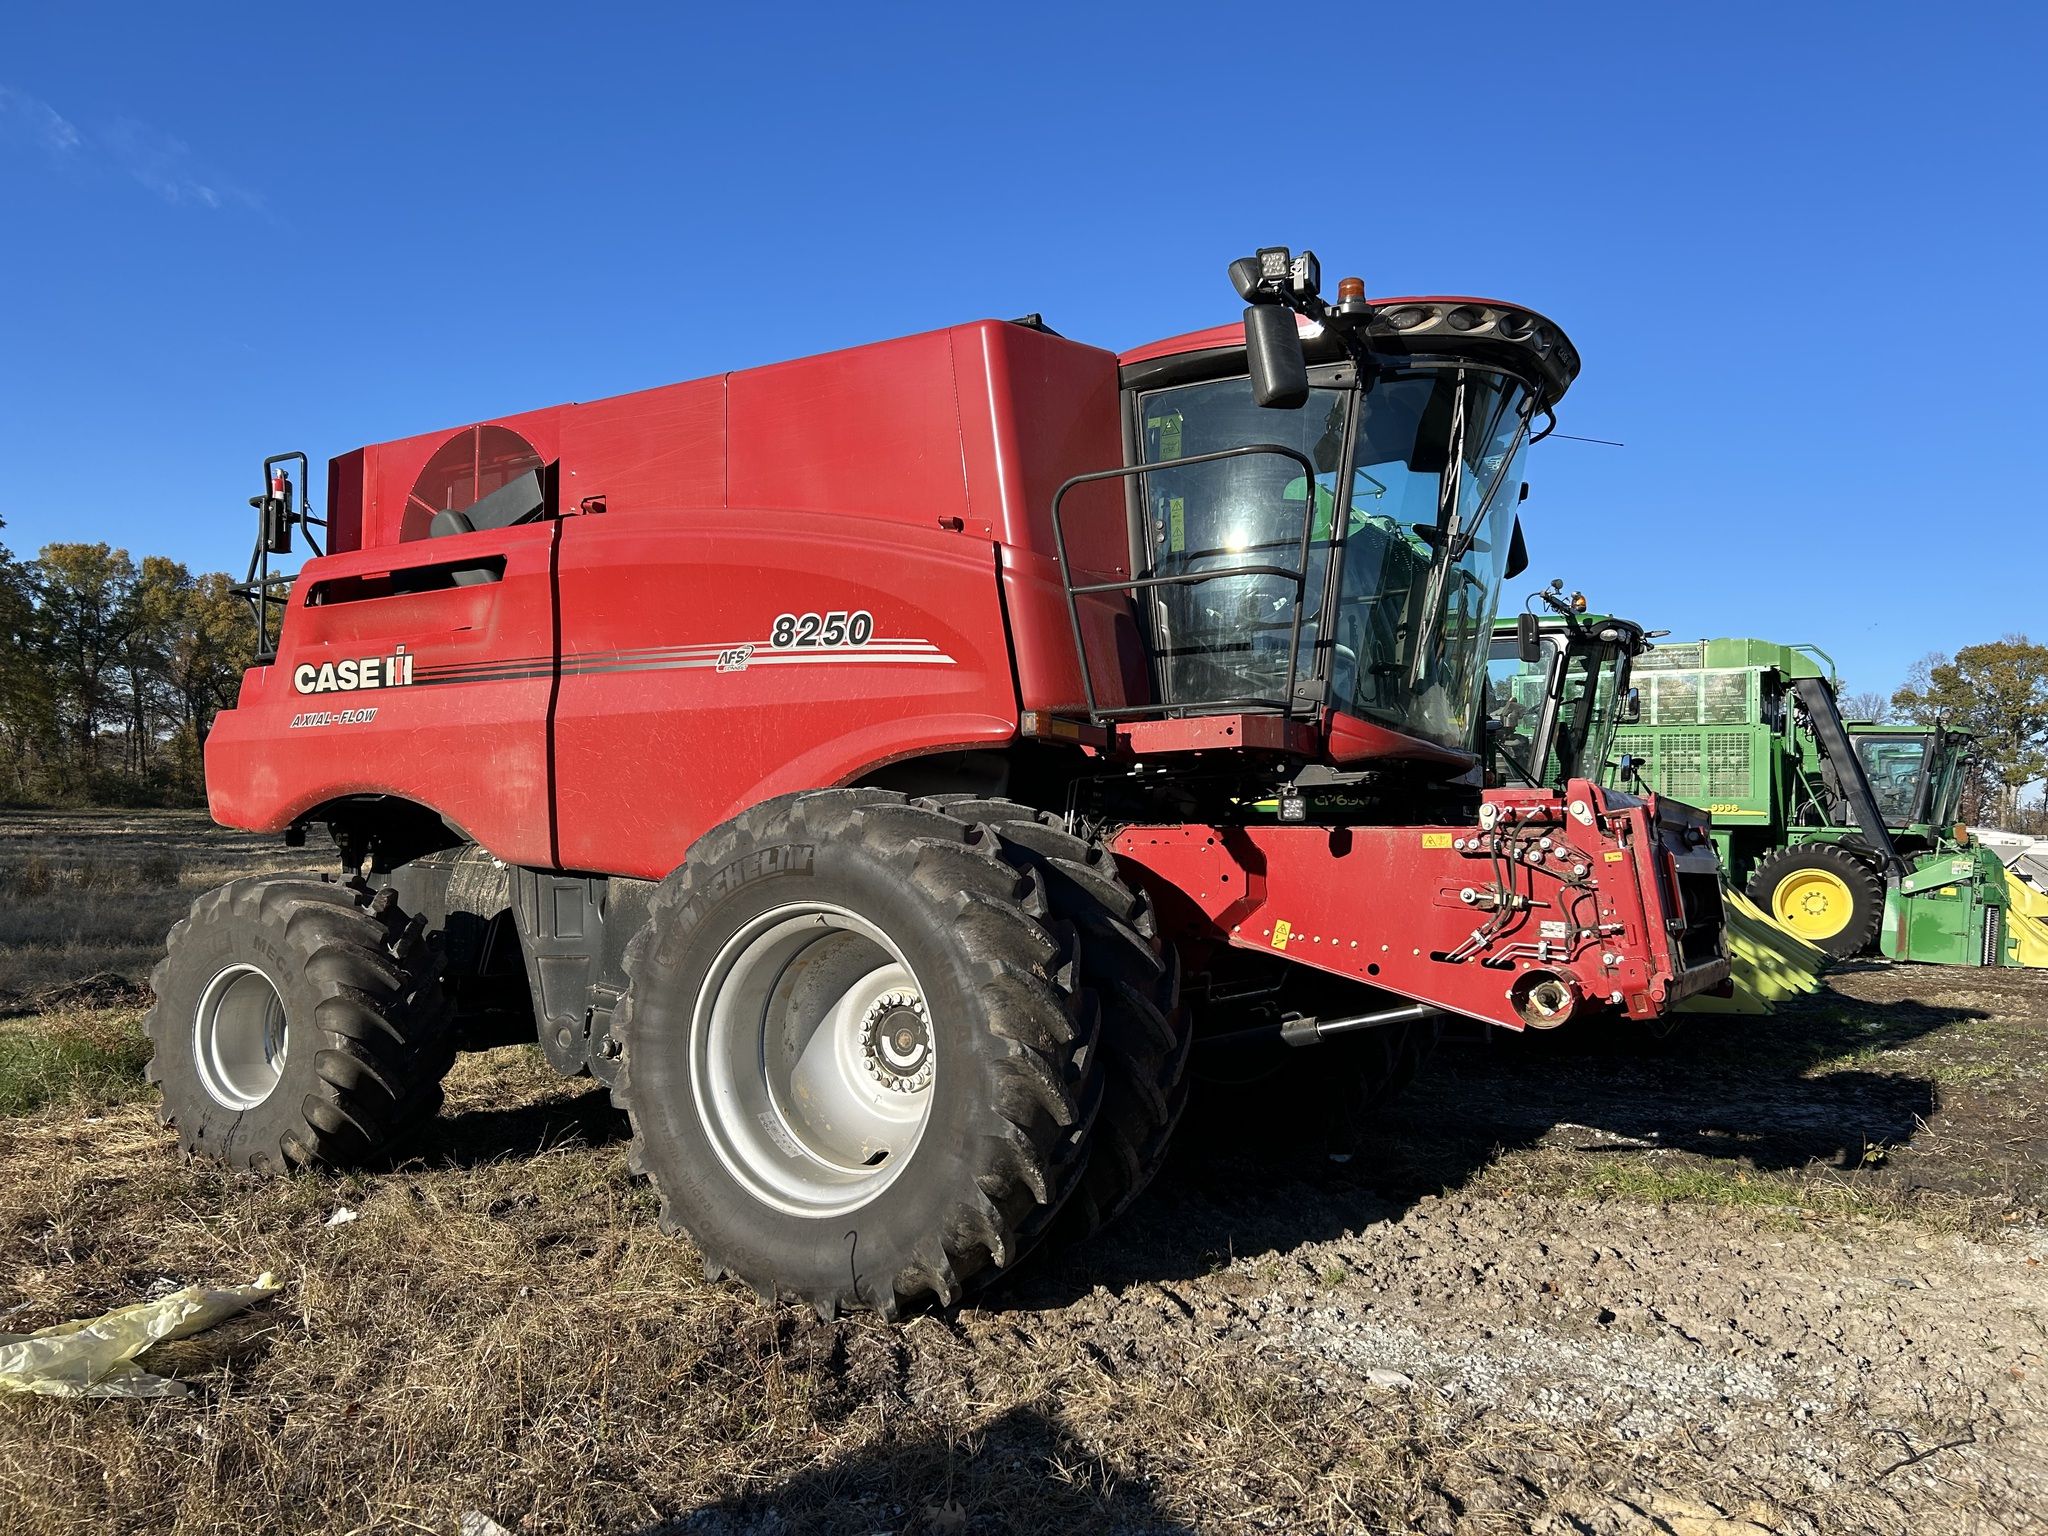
[910,482]
[471,741]
[654,743]
[1389,906]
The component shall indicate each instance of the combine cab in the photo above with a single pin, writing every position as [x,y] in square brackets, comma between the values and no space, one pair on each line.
[858,764]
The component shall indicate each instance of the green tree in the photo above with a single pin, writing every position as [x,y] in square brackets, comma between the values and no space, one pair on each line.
[150,629]
[84,602]
[1998,691]
[216,641]
[28,726]
[111,674]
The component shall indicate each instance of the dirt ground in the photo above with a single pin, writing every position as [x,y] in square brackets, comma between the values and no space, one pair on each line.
[1781,1274]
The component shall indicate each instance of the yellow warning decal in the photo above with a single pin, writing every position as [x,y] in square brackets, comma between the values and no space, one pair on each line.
[1176,524]
[1614,855]
[1169,427]
[1436,839]
[1281,930]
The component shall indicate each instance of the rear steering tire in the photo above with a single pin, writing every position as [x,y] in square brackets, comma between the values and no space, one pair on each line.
[1824,894]
[297,1023]
[859,1055]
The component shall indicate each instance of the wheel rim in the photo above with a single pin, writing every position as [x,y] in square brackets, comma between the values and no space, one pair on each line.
[1813,903]
[814,1059]
[239,1037]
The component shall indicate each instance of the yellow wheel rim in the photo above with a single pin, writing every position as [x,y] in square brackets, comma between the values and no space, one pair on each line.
[1812,903]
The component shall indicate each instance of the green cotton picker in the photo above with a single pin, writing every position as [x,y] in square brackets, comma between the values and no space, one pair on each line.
[1558,698]
[1845,834]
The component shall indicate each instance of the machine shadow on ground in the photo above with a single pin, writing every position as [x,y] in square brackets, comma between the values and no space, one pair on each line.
[1267,1163]
[1267,1167]
[473,1137]
[1024,1472]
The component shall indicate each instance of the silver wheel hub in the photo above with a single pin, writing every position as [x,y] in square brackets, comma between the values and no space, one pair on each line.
[239,1038]
[814,1058]
[896,1042]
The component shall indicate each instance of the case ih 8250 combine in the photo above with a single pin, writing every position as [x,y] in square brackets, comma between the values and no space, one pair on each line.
[857,764]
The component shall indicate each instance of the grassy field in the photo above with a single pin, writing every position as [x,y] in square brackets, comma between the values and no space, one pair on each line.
[86,896]
[1773,1275]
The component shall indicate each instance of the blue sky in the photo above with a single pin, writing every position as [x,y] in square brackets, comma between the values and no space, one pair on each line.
[1799,246]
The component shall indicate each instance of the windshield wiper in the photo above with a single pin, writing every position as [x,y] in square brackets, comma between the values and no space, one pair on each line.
[1457,536]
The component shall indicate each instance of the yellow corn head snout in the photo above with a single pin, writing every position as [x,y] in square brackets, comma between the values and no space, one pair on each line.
[2026,916]
[1769,964]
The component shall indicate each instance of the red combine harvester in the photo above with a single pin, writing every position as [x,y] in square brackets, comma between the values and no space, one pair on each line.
[880,767]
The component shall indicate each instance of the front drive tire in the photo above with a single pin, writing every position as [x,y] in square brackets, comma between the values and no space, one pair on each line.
[297,1023]
[1146,1035]
[859,1058]
[1824,894]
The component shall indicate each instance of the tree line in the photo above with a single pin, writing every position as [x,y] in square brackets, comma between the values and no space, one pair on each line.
[112,673]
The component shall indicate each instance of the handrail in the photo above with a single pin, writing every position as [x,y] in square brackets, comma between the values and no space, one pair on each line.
[1299,575]
[260,589]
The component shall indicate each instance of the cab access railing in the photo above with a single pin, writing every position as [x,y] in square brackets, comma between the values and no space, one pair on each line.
[1285,702]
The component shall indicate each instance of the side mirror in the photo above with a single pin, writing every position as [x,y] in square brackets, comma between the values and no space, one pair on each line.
[1272,346]
[1529,636]
[1518,553]
[1631,707]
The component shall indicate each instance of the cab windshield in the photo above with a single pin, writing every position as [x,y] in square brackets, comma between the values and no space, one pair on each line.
[1590,714]
[1576,741]
[1515,694]
[1436,471]
[1895,766]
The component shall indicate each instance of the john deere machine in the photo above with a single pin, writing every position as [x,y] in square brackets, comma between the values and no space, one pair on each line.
[852,763]
[1844,833]
[1557,690]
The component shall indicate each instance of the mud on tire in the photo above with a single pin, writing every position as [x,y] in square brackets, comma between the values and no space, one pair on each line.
[859,1058]
[297,1023]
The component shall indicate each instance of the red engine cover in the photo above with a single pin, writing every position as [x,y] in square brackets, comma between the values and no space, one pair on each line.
[771,580]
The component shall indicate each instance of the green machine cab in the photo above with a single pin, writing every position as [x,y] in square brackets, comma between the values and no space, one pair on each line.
[1917,773]
[1844,833]
[1557,691]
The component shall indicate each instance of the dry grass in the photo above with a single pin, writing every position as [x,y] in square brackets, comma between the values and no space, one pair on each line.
[505,1329]
[86,897]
